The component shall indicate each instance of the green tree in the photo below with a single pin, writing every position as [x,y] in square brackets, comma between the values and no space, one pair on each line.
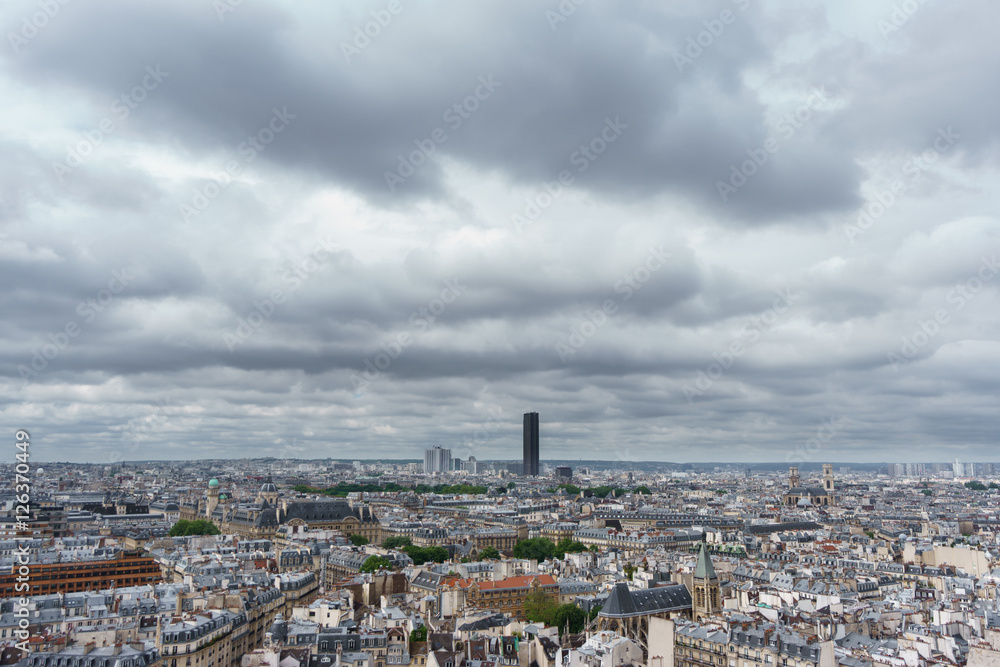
[375,563]
[576,617]
[539,548]
[927,492]
[419,635]
[644,490]
[197,527]
[489,553]
[397,541]
[540,607]
[343,488]
[975,485]
[594,612]
[568,546]
[358,540]
[593,548]
[421,555]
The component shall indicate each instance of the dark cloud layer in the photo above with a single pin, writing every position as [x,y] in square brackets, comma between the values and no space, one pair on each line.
[755,230]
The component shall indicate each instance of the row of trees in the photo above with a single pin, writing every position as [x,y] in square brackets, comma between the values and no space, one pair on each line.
[542,548]
[976,485]
[459,489]
[343,488]
[601,491]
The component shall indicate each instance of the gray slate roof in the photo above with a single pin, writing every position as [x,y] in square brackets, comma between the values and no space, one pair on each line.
[624,603]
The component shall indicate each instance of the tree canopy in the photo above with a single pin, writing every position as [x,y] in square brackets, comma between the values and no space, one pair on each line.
[196,527]
[489,553]
[537,548]
[396,541]
[421,555]
[568,546]
[539,607]
[375,563]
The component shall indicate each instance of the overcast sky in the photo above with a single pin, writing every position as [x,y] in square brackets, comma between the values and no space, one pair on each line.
[739,230]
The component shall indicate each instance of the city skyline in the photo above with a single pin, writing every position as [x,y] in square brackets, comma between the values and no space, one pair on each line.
[720,230]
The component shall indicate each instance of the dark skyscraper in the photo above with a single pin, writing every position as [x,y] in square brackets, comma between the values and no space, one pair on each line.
[531,444]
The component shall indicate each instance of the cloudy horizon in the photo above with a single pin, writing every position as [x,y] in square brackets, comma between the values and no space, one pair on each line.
[736,230]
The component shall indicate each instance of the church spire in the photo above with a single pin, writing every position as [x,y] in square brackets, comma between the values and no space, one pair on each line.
[704,569]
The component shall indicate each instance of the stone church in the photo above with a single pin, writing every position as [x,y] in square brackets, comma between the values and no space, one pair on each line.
[816,496]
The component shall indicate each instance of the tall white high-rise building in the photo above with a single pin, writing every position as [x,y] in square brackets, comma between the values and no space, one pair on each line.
[437,460]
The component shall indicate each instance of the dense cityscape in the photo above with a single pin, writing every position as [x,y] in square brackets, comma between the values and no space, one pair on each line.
[504,333]
[280,562]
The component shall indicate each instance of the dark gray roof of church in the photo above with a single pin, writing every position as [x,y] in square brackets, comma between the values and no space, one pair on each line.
[320,511]
[624,603]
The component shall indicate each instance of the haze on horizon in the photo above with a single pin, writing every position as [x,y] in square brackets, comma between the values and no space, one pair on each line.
[709,231]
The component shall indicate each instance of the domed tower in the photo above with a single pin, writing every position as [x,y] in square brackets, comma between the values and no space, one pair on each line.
[213,497]
[268,492]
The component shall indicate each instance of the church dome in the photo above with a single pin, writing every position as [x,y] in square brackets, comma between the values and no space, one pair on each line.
[213,483]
